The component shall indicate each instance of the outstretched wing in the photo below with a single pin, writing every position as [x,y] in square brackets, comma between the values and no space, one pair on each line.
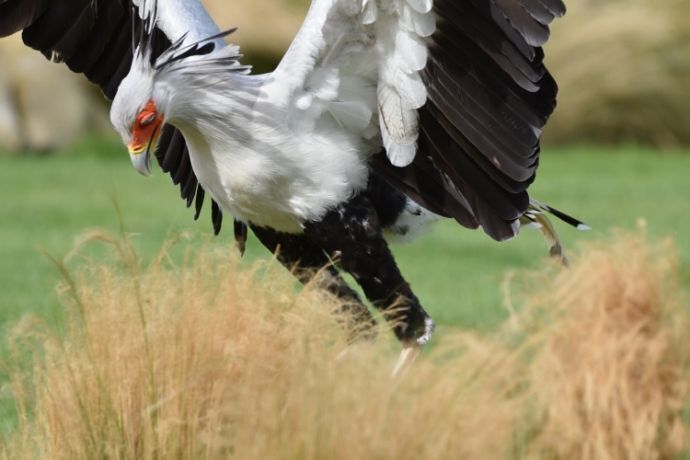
[95,38]
[456,90]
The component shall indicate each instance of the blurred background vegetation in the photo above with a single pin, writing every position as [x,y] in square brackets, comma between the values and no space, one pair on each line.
[624,71]
[623,67]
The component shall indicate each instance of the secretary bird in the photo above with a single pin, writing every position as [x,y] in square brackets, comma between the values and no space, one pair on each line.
[382,117]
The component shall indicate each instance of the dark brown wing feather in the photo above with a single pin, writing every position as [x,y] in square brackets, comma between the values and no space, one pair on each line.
[489,99]
[94,37]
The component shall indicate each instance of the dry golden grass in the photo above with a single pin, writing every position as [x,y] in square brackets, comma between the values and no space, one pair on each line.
[205,361]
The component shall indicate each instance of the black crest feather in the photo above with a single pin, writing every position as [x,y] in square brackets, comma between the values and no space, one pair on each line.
[178,51]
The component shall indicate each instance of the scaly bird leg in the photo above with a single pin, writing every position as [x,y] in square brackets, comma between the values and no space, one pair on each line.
[308,263]
[351,234]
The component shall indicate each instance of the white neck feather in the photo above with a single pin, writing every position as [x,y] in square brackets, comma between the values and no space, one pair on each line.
[252,157]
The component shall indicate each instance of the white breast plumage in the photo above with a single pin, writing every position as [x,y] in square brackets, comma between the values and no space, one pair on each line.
[278,177]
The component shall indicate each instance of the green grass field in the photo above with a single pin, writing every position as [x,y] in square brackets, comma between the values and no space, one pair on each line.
[49,202]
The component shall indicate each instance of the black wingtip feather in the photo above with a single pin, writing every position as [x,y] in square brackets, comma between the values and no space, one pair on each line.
[216,217]
[187,192]
[179,51]
[183,168]
[199,202]
[241,232]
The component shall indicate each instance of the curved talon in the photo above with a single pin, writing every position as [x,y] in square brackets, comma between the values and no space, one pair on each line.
[412,349]
[407,356]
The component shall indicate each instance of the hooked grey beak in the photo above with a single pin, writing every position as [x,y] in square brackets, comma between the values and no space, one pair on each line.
[141,159]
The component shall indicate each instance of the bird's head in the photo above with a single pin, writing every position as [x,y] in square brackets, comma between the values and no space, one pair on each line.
[136,115]
[138,112]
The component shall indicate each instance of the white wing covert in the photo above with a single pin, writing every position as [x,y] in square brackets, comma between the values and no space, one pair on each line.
[361,61]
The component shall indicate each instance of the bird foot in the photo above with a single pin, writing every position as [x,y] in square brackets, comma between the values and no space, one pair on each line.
[429,328]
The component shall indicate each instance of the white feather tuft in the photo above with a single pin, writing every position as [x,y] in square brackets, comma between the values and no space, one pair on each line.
[399,120]
[370,12]
[304,101]
[423,25]
[410,51]
[353,115]
[413,222]
[401,155]
[324,83]
[411,89]
[421,6]
[399,128]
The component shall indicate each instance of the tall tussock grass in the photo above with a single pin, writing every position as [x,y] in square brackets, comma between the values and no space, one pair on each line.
[623,67]
[207,361]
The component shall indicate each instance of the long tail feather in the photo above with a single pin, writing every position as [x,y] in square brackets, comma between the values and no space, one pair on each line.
[536,217]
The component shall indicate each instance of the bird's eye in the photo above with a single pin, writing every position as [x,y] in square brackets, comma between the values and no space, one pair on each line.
[147,119]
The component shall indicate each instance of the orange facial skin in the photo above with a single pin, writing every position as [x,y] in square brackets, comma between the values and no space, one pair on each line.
[145,127]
